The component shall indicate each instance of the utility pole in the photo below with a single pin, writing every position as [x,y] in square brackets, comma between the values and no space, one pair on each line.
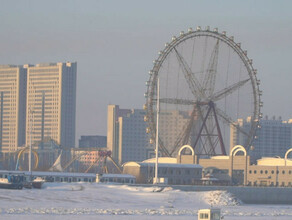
[157,137]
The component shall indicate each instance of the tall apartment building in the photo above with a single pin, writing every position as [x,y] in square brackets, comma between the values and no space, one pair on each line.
[171,125]
[51,103]
[273,138]
[12,107]
[133,139]
[126,134]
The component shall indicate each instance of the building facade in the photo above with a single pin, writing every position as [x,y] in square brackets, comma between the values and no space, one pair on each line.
[92,141]
[133,139]
[51,103]
[12,107]
[273,138]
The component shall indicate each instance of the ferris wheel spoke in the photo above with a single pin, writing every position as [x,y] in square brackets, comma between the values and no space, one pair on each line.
[210,76]
[228,120]
[229,90]
[193,83]
[176,101]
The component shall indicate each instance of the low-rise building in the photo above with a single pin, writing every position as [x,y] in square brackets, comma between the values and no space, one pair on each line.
[237,169]
[271,172]
[168,168]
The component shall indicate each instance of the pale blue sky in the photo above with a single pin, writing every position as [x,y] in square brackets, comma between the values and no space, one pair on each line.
[115,42]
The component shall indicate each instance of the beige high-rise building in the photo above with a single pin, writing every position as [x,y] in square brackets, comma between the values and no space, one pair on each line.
[51,103]
[113,114]
[12,107]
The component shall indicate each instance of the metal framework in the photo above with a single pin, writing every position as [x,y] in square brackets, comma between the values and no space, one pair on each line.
[204,92]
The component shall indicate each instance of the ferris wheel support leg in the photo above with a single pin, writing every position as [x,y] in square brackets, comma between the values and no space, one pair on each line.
[201,129]
[219,132]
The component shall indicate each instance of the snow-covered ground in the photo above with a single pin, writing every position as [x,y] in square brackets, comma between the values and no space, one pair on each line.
[102,201]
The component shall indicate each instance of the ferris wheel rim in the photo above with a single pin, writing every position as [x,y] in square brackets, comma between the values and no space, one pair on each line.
[229,41]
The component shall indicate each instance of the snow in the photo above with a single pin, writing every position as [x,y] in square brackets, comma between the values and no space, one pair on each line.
[105,201]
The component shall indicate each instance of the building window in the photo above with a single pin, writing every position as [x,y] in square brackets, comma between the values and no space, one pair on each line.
[272,171]
[250,172]
[261,172]
[254,171]
[283,172]
[204,216]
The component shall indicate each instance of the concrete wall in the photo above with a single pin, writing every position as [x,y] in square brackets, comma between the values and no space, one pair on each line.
[249,195]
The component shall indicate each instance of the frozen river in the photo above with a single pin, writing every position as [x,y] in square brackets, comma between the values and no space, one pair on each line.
[101,201]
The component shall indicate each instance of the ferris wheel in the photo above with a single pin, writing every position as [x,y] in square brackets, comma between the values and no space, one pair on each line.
[207,87]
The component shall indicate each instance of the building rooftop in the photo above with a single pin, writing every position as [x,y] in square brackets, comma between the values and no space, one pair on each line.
[273,161]
[161,160]
[112,175]
[150,163]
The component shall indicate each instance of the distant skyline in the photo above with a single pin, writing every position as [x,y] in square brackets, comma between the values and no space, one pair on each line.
[115,42]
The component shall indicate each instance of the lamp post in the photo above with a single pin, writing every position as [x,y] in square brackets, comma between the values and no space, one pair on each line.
[157,139]
[30,144]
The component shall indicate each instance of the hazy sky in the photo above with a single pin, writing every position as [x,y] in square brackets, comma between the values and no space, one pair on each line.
[115,42]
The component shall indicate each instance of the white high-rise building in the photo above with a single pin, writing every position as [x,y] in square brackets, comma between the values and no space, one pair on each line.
[273,137]
[12,107]
[126,134]
[51,103]
[127,137]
